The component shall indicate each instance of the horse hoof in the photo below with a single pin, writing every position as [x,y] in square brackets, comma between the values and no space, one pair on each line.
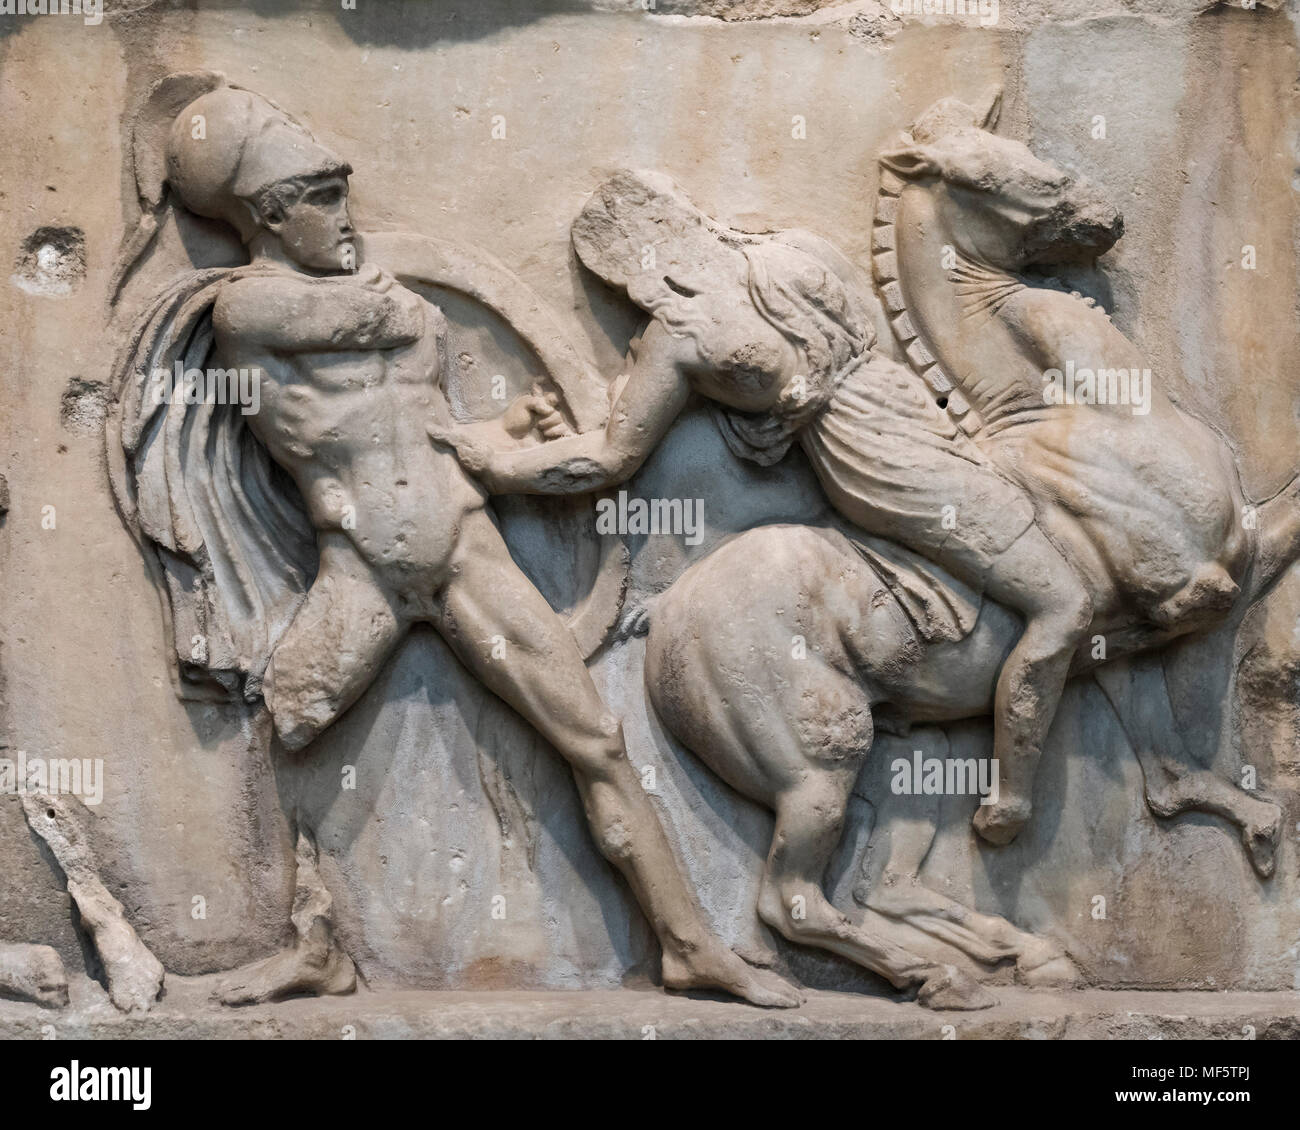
[1261,842]
[950,988]
[1056,972]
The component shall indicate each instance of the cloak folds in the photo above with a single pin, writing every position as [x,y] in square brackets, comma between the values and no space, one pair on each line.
[222,522]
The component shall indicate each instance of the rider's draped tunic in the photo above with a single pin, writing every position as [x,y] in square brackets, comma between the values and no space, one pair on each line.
[898,468]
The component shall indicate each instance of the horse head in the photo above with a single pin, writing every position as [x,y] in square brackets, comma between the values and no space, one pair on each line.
[1001,205]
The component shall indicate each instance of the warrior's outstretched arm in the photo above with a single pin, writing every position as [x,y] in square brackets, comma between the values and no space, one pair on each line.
[653,395]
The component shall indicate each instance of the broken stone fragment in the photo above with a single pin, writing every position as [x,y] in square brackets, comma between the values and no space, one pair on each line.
[33,973]
[135,976]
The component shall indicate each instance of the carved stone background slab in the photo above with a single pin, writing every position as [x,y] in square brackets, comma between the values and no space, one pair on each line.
[770,116]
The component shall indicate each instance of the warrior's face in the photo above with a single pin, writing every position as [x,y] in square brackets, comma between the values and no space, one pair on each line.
[313,225]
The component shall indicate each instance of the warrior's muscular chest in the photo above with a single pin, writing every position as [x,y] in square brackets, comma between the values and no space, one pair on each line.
[348,372]
[349,379]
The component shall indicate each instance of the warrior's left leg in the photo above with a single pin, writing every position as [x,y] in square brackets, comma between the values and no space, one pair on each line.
[503,630]
[315,963]
[333,649]
[331,652]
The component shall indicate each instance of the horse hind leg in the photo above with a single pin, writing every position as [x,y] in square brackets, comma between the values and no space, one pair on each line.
[1278,544]
[1139,694]
[984,937]
[809,820]
[890,886]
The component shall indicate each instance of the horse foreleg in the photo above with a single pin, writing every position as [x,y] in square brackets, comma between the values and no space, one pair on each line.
[1140,697]
[985,937]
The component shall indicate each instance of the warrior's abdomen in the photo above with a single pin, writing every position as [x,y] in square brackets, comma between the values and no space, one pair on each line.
[351,430]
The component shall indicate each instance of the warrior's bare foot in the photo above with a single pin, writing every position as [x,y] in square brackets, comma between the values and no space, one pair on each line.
[714,967]
[1000,822]
[316,963]
[302,969]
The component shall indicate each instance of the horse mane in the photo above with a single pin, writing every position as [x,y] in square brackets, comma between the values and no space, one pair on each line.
[886,274]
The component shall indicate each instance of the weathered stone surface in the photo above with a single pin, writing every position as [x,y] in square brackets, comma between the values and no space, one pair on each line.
[134,975]
[33,973]
[703,222]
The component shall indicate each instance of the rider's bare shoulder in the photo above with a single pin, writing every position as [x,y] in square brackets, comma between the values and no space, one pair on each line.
[659,346]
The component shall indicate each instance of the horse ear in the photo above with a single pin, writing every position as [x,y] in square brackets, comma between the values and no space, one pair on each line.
[989,118]
[910,163]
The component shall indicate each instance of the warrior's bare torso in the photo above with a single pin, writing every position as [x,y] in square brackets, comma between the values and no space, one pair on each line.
[350,378]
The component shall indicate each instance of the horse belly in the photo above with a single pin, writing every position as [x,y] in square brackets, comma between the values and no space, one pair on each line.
[746,663]
[953,680]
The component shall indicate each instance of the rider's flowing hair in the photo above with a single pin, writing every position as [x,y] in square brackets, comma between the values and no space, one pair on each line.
[810,293]
[801,286]
[816,298]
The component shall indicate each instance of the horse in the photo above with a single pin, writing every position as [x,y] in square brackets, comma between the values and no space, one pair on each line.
[781,692]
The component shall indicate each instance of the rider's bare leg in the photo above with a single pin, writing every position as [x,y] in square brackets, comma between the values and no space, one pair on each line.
[506,634]
[1032,578]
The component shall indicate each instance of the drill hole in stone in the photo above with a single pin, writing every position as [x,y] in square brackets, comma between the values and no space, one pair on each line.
[52,261]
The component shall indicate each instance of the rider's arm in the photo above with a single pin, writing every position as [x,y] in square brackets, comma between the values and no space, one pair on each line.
[315,315]
[654,394]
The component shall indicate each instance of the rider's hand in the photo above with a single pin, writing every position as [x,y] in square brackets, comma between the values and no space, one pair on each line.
[535,411]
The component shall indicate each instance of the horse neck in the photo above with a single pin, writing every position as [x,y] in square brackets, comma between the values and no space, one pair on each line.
[945,309]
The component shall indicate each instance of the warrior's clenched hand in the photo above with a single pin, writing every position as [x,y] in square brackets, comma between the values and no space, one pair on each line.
[535,411]
[375,278]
